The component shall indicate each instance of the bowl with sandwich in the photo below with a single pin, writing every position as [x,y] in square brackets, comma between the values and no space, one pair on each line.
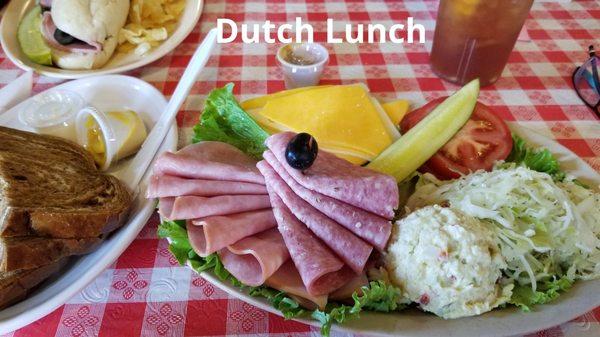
[73,39]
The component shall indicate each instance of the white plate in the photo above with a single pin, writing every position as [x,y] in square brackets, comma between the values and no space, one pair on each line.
[16,9]
[582,298]
[104,92]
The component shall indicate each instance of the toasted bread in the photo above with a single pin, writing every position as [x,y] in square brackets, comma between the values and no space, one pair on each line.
[33,252]
[14,286]
[50,187]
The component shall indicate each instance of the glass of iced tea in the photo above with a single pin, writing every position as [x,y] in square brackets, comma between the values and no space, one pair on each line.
[474,38]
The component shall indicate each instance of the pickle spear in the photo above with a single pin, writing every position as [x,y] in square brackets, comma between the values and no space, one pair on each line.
[421,142]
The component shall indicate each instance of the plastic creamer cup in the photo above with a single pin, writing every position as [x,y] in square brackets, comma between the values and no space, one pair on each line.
[302,63]
[53,113]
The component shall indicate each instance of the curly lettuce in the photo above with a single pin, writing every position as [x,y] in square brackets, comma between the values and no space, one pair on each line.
[225,121]
[540,160]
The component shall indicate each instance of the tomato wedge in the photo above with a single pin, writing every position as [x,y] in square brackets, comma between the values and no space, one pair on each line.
[482,141]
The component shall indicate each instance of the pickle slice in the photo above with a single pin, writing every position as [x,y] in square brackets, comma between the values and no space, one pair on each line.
[421,142]
[31,39]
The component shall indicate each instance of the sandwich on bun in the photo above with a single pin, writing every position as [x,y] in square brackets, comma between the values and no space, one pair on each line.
[78,34]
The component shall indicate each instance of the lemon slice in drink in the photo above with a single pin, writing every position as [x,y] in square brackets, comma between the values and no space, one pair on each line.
[31,39]
[421,142]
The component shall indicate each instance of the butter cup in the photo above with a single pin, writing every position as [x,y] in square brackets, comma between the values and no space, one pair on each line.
[110,133]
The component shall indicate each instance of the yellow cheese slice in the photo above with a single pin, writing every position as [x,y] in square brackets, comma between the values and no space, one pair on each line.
[259,102]
[345,117]
[351,155]
[396,110]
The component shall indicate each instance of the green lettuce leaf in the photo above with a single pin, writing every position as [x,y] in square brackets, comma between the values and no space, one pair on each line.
[280,301]
[377,296]
[225,121]
[525,298]
[540,160]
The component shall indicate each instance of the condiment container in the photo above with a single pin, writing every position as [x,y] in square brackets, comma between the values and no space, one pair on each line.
[110,136]
[53,113]
[302,63]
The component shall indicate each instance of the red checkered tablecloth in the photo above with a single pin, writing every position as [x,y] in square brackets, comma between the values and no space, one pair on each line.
[145,292]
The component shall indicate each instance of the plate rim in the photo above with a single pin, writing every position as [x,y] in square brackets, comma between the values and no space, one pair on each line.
[55,72]
[352,327]
[142,210]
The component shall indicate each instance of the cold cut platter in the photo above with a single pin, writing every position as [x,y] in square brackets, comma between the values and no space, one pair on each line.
[324,205]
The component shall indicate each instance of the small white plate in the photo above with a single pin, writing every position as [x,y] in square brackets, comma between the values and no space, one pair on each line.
[582,298]
[16,9]
[105,93]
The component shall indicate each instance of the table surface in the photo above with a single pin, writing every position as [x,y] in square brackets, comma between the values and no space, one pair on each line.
[145,292]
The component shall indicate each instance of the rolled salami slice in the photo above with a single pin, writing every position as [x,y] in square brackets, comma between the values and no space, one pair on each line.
[370,227]
[193,207]
[321,271]
[329,175]
[255,258]
[208,235]
[171,186]
[288,280]
[209,160]
[347,246]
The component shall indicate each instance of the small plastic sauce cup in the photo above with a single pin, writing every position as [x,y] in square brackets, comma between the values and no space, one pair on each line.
[108,136]
[302,63]
[53,113]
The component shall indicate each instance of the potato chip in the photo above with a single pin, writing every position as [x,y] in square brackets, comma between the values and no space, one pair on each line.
[149,22]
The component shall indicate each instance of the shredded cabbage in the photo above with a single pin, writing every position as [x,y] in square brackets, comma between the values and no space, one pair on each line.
[547,230]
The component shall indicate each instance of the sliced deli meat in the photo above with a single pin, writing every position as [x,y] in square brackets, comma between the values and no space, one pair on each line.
[288,280]
[341,180]
[321,271]
[350,248]
[171,186]
[349,288]
[210,234]
[255,258]
[48,28]
[193,207]
[209,160]
[370,227]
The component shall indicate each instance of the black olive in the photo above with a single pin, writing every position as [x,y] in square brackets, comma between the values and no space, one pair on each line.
[301,151]
[63,38]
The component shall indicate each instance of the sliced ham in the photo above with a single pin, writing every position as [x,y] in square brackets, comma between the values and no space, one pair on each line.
[341,180]
[208,235]
[288,280]
[193,207]
[321,271]
[255,258]
[370,227]
[170,186]
[48,28]
[350,288]
[351,249]
[186,166]
[165,207]
[218,152]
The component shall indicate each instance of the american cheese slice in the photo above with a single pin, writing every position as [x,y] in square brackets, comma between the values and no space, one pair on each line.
[259,102]
[350,155]
[344,116]
[396,110]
